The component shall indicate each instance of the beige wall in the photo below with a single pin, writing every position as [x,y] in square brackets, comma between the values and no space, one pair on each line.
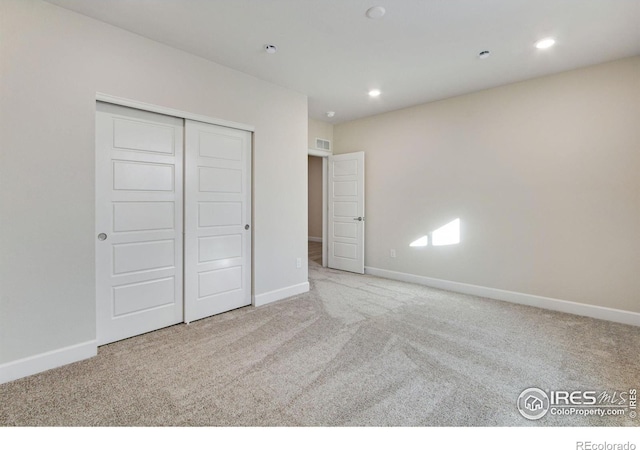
[53,62]
[544,175]
[319,129]
[315,196]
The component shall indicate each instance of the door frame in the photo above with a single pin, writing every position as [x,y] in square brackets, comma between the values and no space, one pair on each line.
[325,160]
[107,98]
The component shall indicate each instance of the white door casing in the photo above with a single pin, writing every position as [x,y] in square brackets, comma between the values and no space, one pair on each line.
[139,168]
[217,219]
[346,212]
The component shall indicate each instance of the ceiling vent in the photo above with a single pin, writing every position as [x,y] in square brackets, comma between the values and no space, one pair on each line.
[323,144]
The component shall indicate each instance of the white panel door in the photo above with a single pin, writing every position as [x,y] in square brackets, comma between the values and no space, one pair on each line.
[217,219]
[346,212]
[139,162]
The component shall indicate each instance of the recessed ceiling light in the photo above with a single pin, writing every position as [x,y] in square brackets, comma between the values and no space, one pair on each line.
[545,43]
[376,12]
[331,113]
[484,54]
[270,48]
[374,92]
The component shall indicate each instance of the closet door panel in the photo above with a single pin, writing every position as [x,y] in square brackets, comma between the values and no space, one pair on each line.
[139,221]
[217,219]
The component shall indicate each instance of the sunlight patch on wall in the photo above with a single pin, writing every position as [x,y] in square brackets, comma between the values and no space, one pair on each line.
[448,234]
[422,242]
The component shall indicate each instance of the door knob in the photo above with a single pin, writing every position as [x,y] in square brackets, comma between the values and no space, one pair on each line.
[359,219]
[102,236]
[246,227]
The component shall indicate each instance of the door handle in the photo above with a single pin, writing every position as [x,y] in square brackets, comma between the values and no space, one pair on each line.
[102,236]
[246,227]
[359,219]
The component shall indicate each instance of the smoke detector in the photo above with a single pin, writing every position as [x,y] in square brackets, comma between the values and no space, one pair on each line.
[484,54]
[270,48]
[331,113]
[376,12]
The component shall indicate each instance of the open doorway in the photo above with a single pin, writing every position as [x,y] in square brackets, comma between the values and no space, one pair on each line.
[315,209]
[336,210]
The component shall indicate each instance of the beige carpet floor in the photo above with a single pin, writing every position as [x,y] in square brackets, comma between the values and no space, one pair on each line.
[355,351]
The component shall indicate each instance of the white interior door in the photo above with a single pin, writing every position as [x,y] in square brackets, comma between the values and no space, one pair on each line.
[346,212]
[138,221]
[217,219]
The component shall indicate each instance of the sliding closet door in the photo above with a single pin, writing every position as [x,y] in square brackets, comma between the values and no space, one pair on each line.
[139,165]
[217,219]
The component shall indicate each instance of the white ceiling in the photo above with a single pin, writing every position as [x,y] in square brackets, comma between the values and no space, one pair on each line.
[420,51]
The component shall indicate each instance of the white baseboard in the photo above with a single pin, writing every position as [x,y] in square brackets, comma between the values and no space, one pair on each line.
[580,309]
[50,360]
[279,294]
[314,239]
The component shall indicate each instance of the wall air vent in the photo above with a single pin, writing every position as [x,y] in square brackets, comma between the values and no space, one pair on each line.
[323,144]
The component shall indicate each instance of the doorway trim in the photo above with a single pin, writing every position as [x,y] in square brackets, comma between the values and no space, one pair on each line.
[325,158]
[101,97]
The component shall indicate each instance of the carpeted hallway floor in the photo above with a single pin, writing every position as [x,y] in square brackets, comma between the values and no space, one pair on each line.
[315,252]
[356,350]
